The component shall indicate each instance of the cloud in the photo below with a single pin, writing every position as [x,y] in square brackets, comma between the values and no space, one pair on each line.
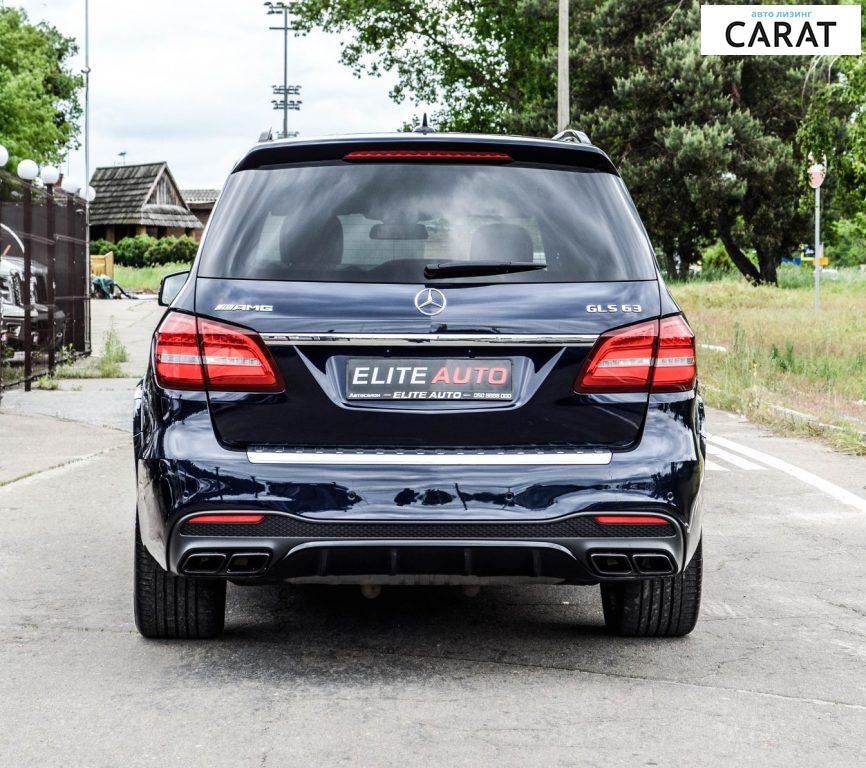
[189,82]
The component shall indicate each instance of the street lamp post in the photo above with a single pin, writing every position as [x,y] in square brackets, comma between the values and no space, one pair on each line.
[27,172]
[50,176]
[817,173]
[87,198]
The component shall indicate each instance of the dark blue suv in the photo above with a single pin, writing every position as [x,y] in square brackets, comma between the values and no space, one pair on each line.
[421,359]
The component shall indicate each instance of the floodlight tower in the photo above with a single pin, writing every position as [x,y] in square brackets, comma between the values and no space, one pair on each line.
[284,103]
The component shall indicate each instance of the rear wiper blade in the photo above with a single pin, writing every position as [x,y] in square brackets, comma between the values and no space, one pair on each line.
[472,268]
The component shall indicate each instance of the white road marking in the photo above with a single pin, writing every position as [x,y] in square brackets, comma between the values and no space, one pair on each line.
[711,466]
[803,475]
[718,609]
[732,458]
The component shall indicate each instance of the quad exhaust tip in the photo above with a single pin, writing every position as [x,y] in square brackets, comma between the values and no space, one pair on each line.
[204,563]
[613,564]
[225,563]
[247,563]
[653,564]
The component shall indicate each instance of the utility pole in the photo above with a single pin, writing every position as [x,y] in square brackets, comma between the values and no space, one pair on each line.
[562,101]
[284,104]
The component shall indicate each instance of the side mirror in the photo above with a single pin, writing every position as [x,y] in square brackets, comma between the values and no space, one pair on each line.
[169,287]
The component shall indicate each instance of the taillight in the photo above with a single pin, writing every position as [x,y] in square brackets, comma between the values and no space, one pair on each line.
[675,368]
[653,356]
[236,360]
[177,361]
[621,361]
[190,351]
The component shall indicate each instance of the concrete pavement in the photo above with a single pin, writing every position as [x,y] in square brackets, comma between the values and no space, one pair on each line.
[774,674]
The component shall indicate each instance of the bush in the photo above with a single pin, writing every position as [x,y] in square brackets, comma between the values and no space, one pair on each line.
[100,247]
[186,250]
[131,250]
[146,251]
[715,261]
[169,250]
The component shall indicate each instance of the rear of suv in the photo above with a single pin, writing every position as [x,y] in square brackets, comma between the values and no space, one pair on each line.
[420,359]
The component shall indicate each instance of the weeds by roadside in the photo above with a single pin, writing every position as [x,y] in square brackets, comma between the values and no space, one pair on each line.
[46,382]
[107,366]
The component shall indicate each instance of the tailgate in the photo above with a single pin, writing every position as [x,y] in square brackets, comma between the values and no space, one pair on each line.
[363,368]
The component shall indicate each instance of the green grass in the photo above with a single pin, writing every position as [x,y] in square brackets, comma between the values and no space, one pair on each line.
[781,353]
[144,279]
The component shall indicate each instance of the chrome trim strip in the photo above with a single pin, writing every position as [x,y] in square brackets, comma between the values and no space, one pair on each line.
[355,543]
[430,458]
[432,339]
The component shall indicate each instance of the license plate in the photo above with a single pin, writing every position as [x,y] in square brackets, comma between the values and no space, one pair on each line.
[425,379]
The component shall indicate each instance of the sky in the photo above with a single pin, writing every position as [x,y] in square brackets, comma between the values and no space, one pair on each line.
[189,82]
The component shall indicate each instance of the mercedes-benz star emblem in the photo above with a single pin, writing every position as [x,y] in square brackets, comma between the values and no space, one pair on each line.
[430,302]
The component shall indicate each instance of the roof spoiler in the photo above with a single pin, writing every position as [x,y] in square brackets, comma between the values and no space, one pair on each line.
[572,136]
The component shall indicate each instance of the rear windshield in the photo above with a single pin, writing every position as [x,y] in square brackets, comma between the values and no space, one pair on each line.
[383,223]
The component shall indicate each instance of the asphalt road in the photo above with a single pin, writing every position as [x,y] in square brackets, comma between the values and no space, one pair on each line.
[774,674]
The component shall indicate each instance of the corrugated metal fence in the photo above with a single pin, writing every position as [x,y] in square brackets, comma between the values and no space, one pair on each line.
[44,280]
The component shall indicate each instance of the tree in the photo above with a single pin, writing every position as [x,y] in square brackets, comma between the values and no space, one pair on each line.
[38,92]
[835,128]
[707,145]
[488,61]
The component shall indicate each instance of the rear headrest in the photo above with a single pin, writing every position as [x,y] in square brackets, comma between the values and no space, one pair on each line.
[501,242]
[323,241]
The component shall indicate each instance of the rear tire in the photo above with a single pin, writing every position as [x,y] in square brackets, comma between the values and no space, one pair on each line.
[171,607]
[662,607]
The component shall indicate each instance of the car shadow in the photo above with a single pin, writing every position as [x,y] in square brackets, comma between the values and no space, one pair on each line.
[530,624]
[426,611]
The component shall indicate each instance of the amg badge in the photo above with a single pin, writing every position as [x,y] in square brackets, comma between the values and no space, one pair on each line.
[244,308]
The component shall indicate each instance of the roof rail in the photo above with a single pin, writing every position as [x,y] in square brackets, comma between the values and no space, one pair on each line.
[572,136]
[267,135]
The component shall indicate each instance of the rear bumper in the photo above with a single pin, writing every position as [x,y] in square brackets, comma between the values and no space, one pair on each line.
[574,550]
[183,470]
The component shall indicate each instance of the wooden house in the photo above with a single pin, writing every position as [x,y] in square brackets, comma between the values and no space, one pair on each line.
[201,203]
[139,200]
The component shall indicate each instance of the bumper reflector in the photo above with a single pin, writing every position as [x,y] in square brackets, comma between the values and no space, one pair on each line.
[234,519]
[631,520]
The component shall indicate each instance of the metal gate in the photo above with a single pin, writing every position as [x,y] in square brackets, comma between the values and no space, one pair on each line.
[44,280]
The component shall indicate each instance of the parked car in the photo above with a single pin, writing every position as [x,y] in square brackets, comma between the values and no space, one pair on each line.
[11,327]
[11,311]
[421,359]
[11,291]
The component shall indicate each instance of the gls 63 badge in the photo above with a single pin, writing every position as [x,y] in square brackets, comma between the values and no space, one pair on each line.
[608,308]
